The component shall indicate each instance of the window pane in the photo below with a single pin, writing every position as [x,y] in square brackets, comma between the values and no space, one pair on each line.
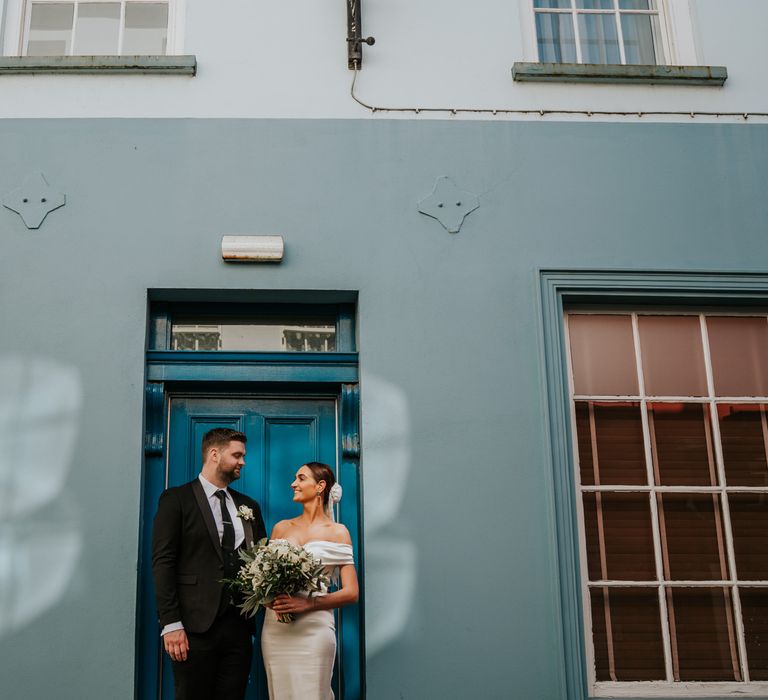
[98,28]
[619,537]
[681,444]
[255,334]
[625,621]
[146,28]
[554,34]
[617,432]
[50,29]
[754,610]
[739,349]
[691,528]
[635,5]
[602,355]
[552,3]
[639,44]
[743,434]
[673,359]
[599,39]
[595,4]
[703,634]
[749,520]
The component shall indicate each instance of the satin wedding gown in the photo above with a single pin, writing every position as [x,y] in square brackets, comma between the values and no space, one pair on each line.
[299,655]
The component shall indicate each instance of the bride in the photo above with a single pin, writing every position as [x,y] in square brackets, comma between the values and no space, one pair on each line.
[298,656]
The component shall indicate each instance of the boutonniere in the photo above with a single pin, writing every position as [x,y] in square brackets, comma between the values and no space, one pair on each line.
[245,513]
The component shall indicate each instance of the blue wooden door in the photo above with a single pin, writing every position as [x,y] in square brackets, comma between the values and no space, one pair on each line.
[283,434]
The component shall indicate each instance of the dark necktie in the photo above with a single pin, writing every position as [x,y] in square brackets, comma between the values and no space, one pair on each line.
[227,550]
[228,537]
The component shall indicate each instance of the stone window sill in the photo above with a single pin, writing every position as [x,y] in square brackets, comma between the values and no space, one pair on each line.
[98,65]
[713,76]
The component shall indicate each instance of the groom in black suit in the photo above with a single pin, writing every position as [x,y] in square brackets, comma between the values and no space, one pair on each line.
[198,529]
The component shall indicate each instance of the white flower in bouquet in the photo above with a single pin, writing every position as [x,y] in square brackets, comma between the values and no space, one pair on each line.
[275,568]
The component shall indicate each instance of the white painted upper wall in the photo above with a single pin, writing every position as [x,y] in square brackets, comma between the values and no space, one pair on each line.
[288,59]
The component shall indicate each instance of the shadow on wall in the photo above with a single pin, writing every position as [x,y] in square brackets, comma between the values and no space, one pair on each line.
[390,557]
[40,536]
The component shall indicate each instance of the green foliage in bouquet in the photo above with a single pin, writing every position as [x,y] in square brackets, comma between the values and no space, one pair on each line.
[273,568]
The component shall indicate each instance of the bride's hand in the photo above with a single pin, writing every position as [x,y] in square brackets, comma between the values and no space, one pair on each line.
[291,604]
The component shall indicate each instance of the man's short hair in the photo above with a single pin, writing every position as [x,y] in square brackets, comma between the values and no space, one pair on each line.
[221,437]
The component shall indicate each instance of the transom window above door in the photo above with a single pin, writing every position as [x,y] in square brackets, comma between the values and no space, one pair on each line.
[671,445]
[600,31]
[243,327]
[89,28]
[258,334]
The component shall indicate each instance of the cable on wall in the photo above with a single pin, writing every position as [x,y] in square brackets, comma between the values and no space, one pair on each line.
[543,112]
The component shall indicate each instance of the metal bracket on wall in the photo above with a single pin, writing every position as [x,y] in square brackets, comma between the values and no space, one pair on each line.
[155,416]
[355,38]
[34,200]
[448,204]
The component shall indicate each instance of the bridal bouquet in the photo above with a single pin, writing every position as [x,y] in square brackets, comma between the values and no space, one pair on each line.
[272,568]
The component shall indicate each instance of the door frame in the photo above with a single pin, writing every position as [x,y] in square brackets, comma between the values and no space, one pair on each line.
[253,374]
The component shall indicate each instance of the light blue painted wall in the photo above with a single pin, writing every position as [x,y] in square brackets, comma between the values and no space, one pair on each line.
[448,339]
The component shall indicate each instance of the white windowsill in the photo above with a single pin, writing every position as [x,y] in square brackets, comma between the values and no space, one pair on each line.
[678,690]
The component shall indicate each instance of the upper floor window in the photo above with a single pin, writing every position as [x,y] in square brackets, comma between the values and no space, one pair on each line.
[600,31]
[86,27]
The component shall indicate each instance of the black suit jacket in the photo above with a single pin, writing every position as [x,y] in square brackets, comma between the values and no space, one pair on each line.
[187,562]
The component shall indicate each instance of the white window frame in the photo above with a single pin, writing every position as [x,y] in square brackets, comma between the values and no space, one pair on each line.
[17,13]
[676,21]
[664,689]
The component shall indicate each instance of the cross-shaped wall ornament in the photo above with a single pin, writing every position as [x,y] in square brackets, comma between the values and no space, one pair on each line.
[34,200]
[448,204]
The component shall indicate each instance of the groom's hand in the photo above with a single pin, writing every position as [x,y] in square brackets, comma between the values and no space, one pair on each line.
[177,645]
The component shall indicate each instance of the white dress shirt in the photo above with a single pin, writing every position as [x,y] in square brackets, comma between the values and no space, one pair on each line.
[215,505]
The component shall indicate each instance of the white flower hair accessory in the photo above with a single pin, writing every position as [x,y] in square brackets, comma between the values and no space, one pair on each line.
[245,513]
[335,493]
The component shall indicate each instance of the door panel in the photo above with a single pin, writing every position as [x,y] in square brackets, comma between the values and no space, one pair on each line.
[288,444]
[282,433]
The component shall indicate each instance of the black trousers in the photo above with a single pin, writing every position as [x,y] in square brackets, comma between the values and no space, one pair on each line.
[218,661]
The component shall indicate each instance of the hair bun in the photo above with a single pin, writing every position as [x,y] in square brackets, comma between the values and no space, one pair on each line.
[335,493]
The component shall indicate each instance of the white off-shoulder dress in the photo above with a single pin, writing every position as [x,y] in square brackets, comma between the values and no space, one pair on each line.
[299,655]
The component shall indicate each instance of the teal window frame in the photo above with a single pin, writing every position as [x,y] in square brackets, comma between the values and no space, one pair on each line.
[560,289]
